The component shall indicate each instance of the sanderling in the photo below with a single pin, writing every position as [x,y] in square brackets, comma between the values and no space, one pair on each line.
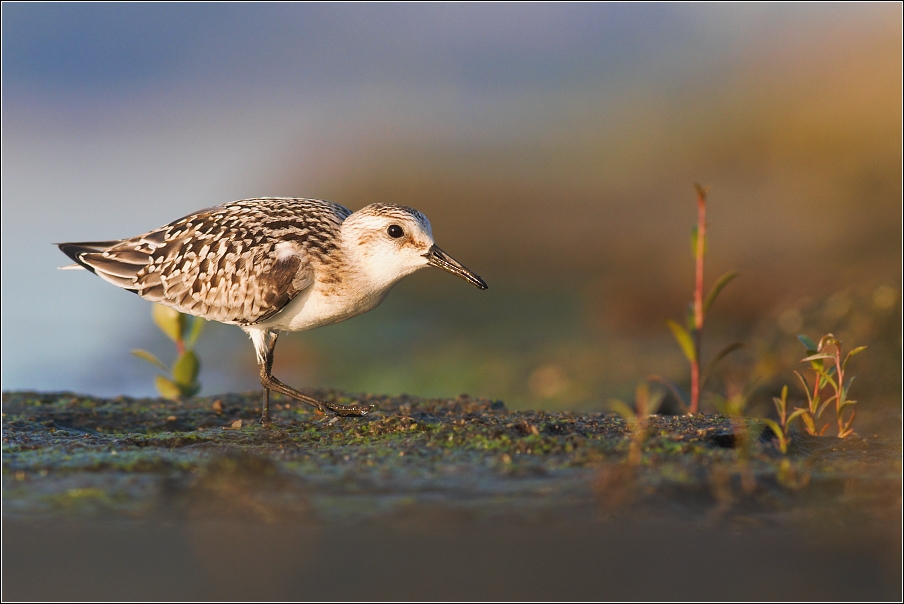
[273,264]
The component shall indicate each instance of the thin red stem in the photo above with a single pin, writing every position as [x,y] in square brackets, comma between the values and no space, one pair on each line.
[698,299]
[839,389]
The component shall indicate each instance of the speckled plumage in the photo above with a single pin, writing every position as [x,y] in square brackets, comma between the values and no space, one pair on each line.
[228,263]
[272,264]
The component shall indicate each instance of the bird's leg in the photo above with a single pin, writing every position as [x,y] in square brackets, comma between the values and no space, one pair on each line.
[268,343]
[266,367]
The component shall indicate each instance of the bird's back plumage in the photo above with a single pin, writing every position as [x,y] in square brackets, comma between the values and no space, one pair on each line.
[241,262]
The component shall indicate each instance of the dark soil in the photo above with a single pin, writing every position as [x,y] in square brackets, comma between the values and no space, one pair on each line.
[433,499]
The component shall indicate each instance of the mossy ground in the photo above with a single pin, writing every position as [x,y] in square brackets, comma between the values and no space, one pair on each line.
[429,463]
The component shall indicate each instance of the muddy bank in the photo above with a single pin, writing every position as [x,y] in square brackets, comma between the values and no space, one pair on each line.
[438,499]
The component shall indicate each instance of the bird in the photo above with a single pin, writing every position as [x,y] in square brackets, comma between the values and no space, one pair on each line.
[271,265]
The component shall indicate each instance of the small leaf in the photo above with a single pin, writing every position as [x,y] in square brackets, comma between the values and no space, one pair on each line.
[185,371]
[197,326]
[823,406]
[814,357]
[622,409]
[857,350]
[803,381]
[845,404]
[808,423]
[684,340]
[720,283]
[170,321]
[147,356]
[779,405]
[809,344]
[167,388]
[774,427]
[724,352]
[794,415]
[828,379]
[844,390]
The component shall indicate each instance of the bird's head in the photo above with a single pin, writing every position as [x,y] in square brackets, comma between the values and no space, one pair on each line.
[388,242]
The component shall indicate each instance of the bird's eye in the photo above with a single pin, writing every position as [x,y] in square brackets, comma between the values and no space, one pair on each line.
[395,231]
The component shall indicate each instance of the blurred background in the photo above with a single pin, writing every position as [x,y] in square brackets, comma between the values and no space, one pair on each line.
[554,149]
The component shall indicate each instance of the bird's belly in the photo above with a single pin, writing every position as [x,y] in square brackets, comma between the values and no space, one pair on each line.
[316,309]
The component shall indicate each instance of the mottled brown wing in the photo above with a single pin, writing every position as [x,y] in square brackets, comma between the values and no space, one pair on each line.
[221,264]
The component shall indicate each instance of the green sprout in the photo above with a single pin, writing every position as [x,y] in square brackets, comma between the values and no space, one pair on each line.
[645,405]
[690,335]
[782,428]
[182,379]
[827,375]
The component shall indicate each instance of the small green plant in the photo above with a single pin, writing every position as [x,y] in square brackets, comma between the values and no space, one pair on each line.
[830,377]
[182,378]
[782,428]
[645,405]
[690,335]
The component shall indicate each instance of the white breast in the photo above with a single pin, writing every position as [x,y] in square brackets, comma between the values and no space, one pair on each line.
[318,306]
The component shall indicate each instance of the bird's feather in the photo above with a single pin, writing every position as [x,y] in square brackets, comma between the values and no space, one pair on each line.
[240,263]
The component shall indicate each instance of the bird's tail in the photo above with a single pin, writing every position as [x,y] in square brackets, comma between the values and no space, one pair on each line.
[76,250]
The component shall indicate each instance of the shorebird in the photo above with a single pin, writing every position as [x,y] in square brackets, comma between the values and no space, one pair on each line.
[273,264]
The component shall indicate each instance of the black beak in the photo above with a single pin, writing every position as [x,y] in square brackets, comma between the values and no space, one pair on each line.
[438,258]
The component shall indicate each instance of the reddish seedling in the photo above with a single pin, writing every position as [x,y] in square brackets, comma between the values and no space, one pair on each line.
[825,359]
[690,335]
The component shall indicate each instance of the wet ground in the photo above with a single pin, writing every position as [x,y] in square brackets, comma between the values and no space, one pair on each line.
[433,499]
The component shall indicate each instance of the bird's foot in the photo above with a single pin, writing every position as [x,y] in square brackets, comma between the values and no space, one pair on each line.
[265,420]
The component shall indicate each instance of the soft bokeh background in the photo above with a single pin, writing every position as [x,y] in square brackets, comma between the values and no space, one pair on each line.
[553,148]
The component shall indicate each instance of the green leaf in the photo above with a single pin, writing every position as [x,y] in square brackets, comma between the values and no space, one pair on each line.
[622,409]
[828,379]
[147,356]
[809,344]
[808,422]
[724,352]
[684,340]
[847,387]
[720,283]
[170,321]
[857,350]
[814,357]
[774,427]
[794,415]
[845,404]
[823,406]
[197,326]
[185,371]
[803,381]
[779,405]
[167,388]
